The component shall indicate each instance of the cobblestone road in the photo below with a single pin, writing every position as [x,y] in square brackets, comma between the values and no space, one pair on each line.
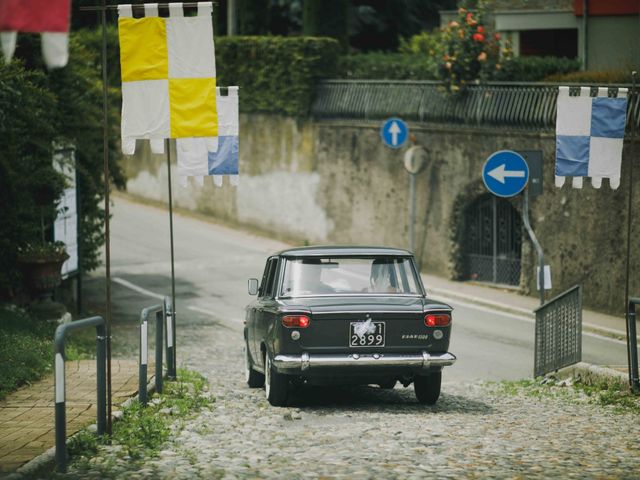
[472,432]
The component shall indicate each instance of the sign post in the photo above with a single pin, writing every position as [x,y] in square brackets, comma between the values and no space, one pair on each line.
[506,174]
[415,160]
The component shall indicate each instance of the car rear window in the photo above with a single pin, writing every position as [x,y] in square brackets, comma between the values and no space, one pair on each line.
[349,275]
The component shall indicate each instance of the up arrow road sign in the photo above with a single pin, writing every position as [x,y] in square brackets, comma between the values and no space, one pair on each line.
[505,173]
[394,132]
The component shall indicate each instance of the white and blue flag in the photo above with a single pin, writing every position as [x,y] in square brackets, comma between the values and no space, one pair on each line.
[589,136]
[213,156]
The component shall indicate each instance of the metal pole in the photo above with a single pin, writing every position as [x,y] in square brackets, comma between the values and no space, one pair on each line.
[107,233]
[78,217]
[60,413]
[142,370]
[101,377]
[173,275]
[585,18]
[168,315]
[159,346]
[534,240]
[232,18]
[494,235]
[634,382]
[630,321]
[412,211]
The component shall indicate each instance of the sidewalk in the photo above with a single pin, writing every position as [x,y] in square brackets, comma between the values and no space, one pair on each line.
[27,415]
[514,303]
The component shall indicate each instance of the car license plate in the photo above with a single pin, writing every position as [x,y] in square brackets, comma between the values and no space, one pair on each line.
[373,336]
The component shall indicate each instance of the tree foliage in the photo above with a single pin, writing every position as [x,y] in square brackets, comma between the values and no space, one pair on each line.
[38,108]
[327,18]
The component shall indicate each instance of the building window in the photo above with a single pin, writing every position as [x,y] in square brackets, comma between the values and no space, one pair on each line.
[549,43]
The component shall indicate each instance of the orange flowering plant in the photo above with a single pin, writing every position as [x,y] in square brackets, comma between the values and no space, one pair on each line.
[470,52]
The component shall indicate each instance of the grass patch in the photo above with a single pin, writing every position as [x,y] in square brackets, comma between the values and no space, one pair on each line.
[26,348]
[141,431]
[613,395]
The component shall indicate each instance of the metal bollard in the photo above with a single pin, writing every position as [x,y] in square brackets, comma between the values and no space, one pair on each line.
[171,337]
[60,389]
[144,351]
[632,345]
[159,346]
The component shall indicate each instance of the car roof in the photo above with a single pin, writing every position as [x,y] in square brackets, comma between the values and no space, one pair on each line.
[339,250]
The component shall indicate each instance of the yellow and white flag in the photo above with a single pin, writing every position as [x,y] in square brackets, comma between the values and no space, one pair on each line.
[168,75]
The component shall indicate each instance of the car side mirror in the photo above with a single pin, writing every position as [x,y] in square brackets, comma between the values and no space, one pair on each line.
[253,286]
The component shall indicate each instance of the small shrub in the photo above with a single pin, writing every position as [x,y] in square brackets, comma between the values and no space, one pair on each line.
[535,69]
[592,78]
[391,66]
[470,51]
[26,349]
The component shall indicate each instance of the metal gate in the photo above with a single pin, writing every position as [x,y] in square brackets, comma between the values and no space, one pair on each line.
[559,332]
[493,241]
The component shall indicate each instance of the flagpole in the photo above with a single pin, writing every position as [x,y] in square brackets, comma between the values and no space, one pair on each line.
[172,366]
[107,233]
[631,343]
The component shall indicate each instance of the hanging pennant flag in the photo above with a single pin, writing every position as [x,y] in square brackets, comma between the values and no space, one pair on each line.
[216,157]
[168,75]
[590,136]
[47,17]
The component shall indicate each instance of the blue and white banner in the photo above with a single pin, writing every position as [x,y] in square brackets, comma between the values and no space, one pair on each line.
[213,156]
[589,136]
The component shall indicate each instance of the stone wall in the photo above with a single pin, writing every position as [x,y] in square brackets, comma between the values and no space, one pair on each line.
[334,182]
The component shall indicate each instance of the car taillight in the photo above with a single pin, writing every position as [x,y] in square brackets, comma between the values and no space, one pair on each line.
[296,321]
[437,320]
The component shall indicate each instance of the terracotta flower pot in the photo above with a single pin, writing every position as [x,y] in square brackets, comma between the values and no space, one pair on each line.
[42,275]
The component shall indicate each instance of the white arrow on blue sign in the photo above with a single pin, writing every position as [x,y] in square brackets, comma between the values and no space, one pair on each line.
[505,173]
[394,132]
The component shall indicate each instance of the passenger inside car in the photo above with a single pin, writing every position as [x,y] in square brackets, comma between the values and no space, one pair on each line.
[383,277]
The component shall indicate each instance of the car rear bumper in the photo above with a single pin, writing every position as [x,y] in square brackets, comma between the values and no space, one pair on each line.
[304,362]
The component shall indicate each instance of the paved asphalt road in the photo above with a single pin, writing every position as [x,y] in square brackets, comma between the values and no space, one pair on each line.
[212,267]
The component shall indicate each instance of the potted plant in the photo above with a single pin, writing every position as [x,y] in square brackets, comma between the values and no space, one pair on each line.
[41,264]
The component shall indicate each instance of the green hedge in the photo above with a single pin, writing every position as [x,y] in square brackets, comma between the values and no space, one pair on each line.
[392,66]
[535,69]
[417,66]
[591,77]
[275,74]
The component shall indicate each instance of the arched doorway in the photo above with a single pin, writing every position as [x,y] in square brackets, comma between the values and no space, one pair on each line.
[492,241]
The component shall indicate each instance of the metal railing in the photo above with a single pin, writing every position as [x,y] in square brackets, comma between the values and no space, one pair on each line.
[60,389]
[144,350]
[632,345]
[558,341]
[517,105]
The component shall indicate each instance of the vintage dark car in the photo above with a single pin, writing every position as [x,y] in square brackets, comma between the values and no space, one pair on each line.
[344,316]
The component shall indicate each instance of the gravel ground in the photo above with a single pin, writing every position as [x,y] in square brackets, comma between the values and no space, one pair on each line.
[474,431]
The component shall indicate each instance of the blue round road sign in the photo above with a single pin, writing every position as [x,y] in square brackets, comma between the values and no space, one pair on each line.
[505,173]
[394,132]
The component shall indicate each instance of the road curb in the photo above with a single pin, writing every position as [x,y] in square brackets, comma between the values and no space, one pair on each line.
[482,302]
[48,458]
[593,374]
[523,312]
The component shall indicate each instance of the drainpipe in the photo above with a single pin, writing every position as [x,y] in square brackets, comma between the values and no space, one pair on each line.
[585,37]
[232,18]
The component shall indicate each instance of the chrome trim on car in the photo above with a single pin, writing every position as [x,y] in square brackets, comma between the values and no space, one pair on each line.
[305,361]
